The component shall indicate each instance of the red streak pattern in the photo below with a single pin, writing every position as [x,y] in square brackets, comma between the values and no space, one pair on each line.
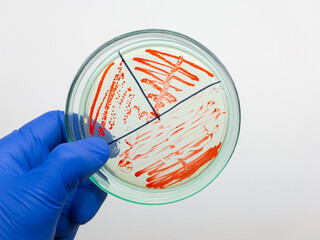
[177,159]
[113,99]
[157,180]
[163,85]
[92,123]
[116,94]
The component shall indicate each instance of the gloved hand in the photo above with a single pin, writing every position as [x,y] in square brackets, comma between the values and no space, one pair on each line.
[44,190]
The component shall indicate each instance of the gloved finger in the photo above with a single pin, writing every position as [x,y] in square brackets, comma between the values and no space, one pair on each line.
[68,236]
[86,202]
[70,163]
[31,144]
[65,225]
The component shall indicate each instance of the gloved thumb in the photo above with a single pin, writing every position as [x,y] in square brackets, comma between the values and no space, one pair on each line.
[70,163]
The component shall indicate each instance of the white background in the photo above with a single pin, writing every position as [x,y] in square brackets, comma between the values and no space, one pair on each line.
[270,188]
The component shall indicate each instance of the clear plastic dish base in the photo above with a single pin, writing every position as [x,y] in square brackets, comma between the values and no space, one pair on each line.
[140,58]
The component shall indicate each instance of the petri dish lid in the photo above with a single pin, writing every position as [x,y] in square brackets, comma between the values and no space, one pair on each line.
[168,109]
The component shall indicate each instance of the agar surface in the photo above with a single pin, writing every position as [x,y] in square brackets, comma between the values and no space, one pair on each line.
[171,150]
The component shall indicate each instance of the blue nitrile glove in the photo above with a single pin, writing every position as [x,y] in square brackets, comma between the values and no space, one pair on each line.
[44,190]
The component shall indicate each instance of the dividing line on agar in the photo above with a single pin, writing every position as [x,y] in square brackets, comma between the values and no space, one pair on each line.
[139,85]
[170,109]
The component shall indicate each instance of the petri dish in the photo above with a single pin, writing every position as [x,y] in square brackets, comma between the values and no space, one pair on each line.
[166,106]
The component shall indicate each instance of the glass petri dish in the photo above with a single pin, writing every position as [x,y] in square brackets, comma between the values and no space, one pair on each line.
[166,106]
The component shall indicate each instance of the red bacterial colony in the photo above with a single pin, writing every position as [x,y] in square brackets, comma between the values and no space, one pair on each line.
[180,159]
